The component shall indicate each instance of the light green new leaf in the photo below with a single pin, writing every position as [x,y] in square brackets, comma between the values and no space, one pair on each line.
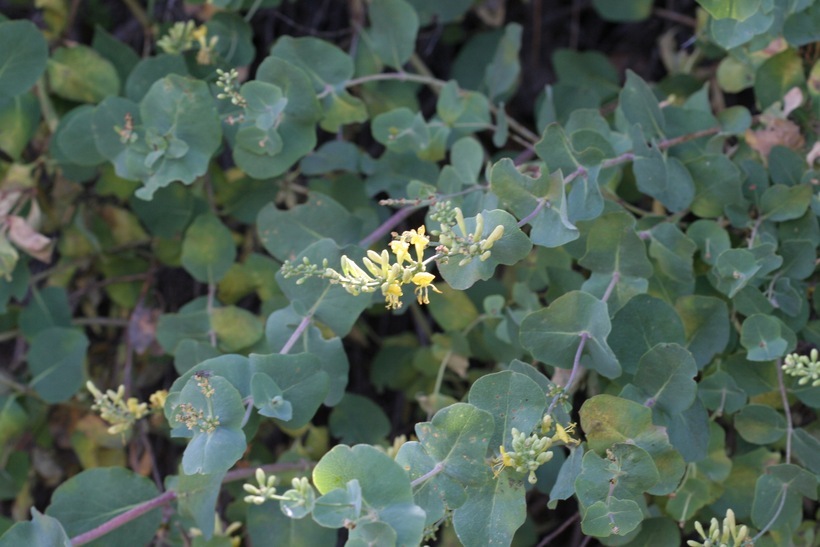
[82,75]
[730,9]
[269,398]
[613,516]
[511,248]
[56,360]
[551,226]
[614,246]
[606,420]
[492,513]
[40,531]
[639,106]
[95,496]
[780,491]
[777,75]
[666,375]
[286,233]
[514,400]
[392,34]
[385,487]
[766,338]
[553,334]
[208,249]
[23,56]
[501,74]
[760,424]
[235,328]
[19,117]
[694,494]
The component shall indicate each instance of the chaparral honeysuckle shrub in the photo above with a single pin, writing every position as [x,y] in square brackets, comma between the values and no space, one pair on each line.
[404,272]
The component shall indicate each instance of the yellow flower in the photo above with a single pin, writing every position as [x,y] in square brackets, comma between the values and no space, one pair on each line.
[422,281]
[399,248]
[563,435]
[392,294]
[420,241]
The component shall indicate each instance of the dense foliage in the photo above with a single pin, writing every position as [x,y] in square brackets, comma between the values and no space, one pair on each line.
[364,280]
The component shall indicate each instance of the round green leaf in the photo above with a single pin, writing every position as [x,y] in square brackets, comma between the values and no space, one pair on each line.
[777,75]
[346,421]
[642,323]
[760,424]
[41,531]
[23,56]
[766,338]
[301,380]
[208,249]
[81,74]
[553,334]
[19,117]
[235,328]
[613,516]
[96,496]
[666,375]
[56,359]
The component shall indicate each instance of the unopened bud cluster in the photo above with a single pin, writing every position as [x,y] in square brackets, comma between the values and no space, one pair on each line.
[465,245]
[228,83]
[720,537]
[264,490]
[195,418]
[531,452]
[182,36]
[115,409]
[301,495]
[805,367]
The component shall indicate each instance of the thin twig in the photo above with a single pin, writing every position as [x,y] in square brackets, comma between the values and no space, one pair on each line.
[557,532]
[438,468]
[124,518]
[785,399]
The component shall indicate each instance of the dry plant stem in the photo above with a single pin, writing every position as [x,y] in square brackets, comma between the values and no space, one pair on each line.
[785,399]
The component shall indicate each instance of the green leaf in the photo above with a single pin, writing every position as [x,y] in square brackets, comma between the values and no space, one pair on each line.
[267,525]
[48,307]
[23,56]
[663,177]
[75,137]
[392,34]
[553,334]
[385,487]
[492,513]
[19,117]
[807,449]
[641,324]
[731,9]
[766,338]
[564,486]
[235,368]
[614,246]
[777,75]
[264,109]
[96,496]
[82,75]
[613,516]
[514,400]
[706,322]
[339,506]
[151,69]
[802,28]
[719,391]
[210,450]
[302,381]
[550,227]
[512,247]
[197,495]
[630,10]
[694,494]
[235,328]
[710,238]
[268,398]
[779,492]
[56,360]
[174,328]
[501,75]
[286,233]
[639,106]
[120,55]
[665,374]
[657,531]
[780,202]
[41,531]
[760,424]
[331,353]
[607,420]
[627,472]
[208,249]
[347,424]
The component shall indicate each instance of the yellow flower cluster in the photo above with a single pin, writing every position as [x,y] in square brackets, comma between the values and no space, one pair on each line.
[379,273]
[531,452]
[115,409]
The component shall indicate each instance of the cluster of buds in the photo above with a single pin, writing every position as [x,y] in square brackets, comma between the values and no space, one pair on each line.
[264,490]
[465,245]
[194,418]
[531,452]
[220,531]
[228,82]
[297,502]
[717,537]
[805,367]
[115,409]
[182,36]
